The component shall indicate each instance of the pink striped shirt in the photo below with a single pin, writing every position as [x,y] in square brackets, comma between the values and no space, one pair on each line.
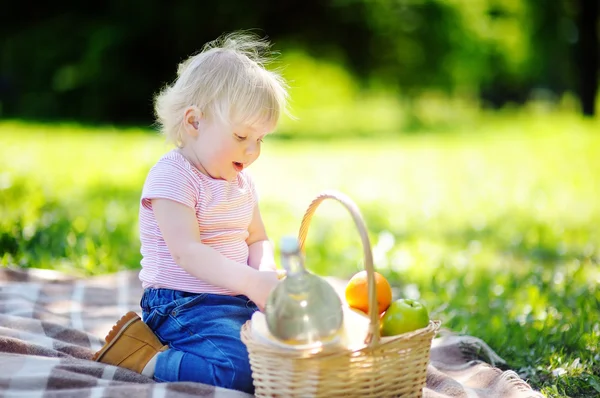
[223,210]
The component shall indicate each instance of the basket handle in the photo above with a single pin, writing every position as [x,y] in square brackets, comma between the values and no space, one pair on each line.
[372,338]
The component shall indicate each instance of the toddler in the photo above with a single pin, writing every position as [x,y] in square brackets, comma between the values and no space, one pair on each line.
[207,263]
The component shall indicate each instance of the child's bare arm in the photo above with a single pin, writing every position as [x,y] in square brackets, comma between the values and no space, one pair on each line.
[179,228]
[260,255]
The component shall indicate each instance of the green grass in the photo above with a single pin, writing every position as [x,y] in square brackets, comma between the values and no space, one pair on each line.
[496,229]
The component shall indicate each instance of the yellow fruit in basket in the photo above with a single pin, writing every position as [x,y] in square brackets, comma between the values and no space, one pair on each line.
[404,315]
[356,327]
[357,292]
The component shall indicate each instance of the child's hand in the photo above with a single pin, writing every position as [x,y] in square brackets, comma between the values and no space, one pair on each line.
[281,273]
[259,289]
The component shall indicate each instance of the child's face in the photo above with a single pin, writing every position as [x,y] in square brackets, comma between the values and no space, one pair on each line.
[224,151]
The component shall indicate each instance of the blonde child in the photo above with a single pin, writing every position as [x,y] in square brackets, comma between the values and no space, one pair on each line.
[207,262]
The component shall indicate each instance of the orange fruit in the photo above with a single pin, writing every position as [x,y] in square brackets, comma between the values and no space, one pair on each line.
[357,292]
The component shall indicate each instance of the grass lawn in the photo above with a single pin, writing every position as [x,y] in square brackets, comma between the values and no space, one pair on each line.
[496,229]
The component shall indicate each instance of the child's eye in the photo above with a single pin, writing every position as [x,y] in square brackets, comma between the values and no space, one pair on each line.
[239,137]
[260,140]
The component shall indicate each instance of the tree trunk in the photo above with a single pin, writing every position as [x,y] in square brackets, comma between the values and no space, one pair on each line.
[588,55]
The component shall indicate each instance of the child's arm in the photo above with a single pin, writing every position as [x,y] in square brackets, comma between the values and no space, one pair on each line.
[260,249]
[179,228]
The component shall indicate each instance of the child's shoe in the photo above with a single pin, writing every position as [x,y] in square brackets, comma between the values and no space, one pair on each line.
[130,344]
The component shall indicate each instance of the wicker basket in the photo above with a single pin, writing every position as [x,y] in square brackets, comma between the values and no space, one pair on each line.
[389,367]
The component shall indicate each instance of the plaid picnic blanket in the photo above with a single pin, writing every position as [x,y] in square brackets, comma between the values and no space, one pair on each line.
[51,324]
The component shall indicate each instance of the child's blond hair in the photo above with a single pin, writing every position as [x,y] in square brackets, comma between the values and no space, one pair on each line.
[228,82]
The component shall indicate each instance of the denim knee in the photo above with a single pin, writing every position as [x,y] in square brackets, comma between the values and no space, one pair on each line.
[203,332]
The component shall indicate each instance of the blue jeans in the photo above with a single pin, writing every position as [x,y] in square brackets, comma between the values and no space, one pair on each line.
[203,334]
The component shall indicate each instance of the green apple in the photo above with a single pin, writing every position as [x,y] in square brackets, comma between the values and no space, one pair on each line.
[404,315]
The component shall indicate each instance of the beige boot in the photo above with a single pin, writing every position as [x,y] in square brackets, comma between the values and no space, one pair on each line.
[130,344]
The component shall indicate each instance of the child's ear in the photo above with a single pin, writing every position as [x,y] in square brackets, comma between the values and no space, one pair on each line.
[191,120]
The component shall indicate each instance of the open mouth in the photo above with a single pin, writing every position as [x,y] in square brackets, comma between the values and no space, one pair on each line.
[238,166]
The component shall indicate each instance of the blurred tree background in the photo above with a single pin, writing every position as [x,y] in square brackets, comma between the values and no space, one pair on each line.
[102,62]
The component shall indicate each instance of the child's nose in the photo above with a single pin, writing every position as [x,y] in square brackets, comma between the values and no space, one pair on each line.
[252,148]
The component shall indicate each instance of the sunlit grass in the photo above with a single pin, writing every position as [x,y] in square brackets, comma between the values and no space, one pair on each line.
[495,229]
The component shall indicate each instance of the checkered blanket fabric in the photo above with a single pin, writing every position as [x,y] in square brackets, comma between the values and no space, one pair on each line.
[52,323]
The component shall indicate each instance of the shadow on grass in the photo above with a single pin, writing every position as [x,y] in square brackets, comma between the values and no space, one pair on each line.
[96,232]
[93,233]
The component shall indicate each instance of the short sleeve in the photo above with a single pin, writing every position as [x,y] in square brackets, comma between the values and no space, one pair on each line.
[170,180]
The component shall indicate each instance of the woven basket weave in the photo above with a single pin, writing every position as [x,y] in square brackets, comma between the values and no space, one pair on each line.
[390,367]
